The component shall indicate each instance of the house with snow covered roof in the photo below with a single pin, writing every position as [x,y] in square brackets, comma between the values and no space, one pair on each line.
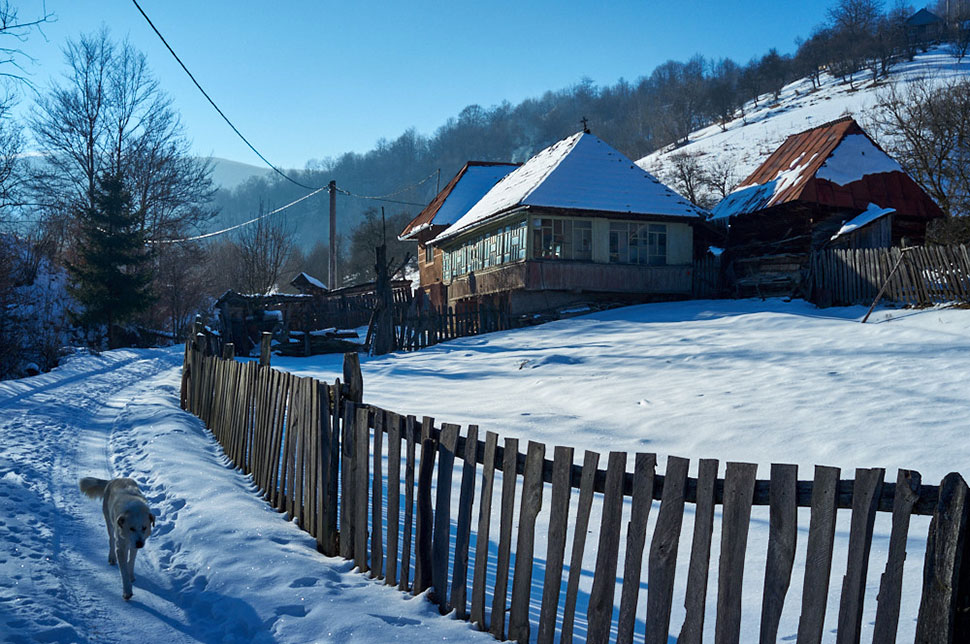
[578,222]
[829,186]
[468,186]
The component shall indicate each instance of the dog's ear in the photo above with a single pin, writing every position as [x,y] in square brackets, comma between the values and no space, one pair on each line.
[121,521]
[151,517]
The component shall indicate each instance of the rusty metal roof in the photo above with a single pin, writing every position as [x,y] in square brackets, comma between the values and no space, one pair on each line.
[429,216]
[850,180]
[803,153]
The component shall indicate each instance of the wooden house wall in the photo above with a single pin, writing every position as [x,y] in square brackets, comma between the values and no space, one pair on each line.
[887,189]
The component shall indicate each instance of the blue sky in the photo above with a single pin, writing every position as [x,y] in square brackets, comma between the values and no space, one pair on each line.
[307,80]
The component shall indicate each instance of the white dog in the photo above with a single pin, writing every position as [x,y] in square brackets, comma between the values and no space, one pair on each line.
[128,519]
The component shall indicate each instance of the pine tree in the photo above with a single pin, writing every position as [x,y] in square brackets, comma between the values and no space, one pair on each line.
[111,277]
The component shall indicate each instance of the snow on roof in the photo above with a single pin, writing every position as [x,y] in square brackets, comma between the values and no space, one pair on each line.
[311,280]
[869,215]
[755,197]
[474,184]
[468,186]
[839,152]
[850,162]
[580,172]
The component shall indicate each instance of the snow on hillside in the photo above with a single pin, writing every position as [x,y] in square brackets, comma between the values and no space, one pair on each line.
[748,141]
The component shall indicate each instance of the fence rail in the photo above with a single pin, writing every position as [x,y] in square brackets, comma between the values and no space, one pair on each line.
[417,329]
[920,275]
[317,452]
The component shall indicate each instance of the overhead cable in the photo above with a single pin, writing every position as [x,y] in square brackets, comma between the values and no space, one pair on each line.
[213,103]
[231,228]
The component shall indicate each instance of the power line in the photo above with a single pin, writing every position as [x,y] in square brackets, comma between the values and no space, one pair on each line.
[213,103]
[383,198]
[406,203]
[245,223]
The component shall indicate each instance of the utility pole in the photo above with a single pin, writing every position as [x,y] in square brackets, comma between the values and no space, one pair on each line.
[332,281]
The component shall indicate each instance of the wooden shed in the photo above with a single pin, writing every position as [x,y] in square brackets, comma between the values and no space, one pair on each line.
[830,186]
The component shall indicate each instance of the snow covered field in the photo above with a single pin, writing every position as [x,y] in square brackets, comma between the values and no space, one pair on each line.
[735,380]
[742,380]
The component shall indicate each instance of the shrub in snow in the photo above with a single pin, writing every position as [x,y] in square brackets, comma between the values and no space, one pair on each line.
[34,310]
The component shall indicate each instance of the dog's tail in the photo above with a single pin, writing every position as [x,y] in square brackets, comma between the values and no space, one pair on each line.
[93,487]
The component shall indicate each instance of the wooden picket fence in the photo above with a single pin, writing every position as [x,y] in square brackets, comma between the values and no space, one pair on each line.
[923,275]
[319,455]
[416,329]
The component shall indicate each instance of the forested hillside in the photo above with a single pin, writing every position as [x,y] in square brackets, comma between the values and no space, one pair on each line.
[858,44]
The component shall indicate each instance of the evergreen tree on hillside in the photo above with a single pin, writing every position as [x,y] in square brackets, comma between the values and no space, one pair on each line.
[110,277]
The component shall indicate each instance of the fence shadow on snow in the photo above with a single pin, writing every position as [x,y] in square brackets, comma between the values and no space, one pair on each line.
[396,494]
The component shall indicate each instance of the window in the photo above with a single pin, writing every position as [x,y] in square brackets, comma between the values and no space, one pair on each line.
[563,239]
[494,248]
[636,243]
[428,255]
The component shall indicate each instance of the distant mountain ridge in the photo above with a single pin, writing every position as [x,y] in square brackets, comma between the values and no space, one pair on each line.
[228,174]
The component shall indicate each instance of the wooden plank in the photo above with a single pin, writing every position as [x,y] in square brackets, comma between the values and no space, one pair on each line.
[441,542]
[599,615]
[299,457]
[818,557]
[459,575]
[644,469]
[481,535]
[782,536]
[331,496]
[285,499]
[377,498]
[943,566]
[254,394]
[590,463]
[556,543]
[738,495]
[394,424]
[700,554]
[347,482]
[320,447]
[277,461]
[497,626]
[891,583]
[260,406]
[865,501]
[274,380]
[531,504]
[662,565]
[410,433]
[425,521]
[360,469]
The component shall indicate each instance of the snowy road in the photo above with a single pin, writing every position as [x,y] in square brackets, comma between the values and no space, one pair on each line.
[220,566]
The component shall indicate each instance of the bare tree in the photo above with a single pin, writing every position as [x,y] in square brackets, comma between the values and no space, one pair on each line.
[12,76]
[686,173]
[925,127]
[720,176]
[110,115]
[262,250]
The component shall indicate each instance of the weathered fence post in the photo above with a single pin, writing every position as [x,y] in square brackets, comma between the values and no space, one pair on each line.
[353,380]
[228,351]
[264,347]
[943,615]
